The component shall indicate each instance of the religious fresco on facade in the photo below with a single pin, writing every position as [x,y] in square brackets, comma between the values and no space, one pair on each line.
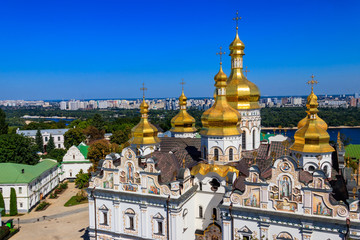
[285,187]
[286,206]
[130,187]
[109,182]
[152,187]
[254,199]
[318,183]
[319,207]
[212,232]
[130,172]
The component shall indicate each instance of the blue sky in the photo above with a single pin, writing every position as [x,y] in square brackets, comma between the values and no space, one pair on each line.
[106,49]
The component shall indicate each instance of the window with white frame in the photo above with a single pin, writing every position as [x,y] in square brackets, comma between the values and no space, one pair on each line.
[185,212]
[20,190]
[129,219]
[104,215]
[201,212]
[158,223]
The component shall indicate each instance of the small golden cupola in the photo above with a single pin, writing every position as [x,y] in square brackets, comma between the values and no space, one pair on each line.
[240,92]
[312,136]
[144,134]
[183,124]
[220,133]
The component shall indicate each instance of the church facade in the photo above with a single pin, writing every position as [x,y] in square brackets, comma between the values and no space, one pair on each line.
[225,185]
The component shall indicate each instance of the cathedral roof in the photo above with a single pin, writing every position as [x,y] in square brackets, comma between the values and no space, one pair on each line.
[221,119]
[183,122]
[312,137]
[144,132]
[240,92]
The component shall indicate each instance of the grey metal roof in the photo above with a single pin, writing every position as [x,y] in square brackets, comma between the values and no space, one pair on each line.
[32,133]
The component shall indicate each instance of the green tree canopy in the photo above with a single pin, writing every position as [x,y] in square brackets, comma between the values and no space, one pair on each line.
[82,179]
[50,145]
[121,136]
[3,124]
[39,141]
[100,148]
[73,137]
[98,122]
[2,204]
[92,133]
[13,203]
[57,154]
[18,149]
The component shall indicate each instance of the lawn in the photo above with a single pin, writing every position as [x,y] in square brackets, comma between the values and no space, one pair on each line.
[74,201]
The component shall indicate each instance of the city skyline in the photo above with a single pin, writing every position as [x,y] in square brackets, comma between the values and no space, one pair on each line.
[105,51]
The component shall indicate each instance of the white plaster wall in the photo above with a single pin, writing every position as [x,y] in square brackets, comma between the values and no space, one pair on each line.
[251,121]
[220,142]
[71,169]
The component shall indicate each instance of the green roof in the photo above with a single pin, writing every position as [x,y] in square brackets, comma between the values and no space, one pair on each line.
[84,149]
[12,172]
[266,136]
[352,151]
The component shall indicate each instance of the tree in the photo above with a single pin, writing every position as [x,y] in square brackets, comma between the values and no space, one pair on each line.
[17,149]
[13,203]
[2,204]
[100,148]
[82,179]
[57,154]
[39,141]
[98,122]
[3,124]
[93,134]
[73,136]
[50,145]
[121,136]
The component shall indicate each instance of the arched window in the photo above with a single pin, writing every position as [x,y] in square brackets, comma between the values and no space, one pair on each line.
[214,214]
[200,212]
[231,154]
[216,154]
[253,138]
[129,215]
[243,138]
[204,153]
[326,170]
[185,212]
[311,168]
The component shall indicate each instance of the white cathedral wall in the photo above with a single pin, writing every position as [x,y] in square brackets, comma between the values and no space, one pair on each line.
[71,169]
[251,121]
[222,143]
[311,159]
[183,135]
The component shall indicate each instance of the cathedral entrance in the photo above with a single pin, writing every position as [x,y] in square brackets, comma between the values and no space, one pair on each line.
[212,232]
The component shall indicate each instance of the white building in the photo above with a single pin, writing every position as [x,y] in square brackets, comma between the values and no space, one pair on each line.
[31,182]
[75,160]
[57,134]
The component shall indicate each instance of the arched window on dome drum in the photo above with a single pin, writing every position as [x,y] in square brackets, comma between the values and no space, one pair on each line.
[231,154]
[243,140]
[253,139]
[204,153]
[216,154]
[326,170]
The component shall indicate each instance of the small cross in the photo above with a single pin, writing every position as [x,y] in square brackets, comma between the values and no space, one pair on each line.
[143,89]
[220,53]
[312,82]
[236,19]
[182,84]
[246,71]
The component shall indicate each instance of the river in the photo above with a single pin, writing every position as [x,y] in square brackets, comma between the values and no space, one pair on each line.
[352,133]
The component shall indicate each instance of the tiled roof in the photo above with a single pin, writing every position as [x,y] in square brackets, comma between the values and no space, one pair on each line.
[32,133]
[12,172]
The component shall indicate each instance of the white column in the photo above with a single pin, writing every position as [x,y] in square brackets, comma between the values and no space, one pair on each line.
[116,221]
[143,223]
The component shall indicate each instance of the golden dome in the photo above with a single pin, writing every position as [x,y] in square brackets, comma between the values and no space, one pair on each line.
[144,132]
[183,121]
[321,123]
[222,170]
[221,119]
[312,137]
[240,92]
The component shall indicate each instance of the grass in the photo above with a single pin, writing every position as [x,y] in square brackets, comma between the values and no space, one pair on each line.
[74,201]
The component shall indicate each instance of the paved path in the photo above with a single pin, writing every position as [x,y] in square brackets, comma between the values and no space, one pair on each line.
[59,223]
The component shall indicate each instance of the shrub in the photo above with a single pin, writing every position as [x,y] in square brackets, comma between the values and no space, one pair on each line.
[4,231]
[58,190]
[81,196]
[2,204]
[13,203]
[53,195]
[64,186]
[42,206]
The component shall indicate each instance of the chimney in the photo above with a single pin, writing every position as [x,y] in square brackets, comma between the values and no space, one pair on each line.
[22,171]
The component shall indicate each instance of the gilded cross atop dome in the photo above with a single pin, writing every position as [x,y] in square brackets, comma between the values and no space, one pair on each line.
[220,53]
[182,84]
[236,19]
[312,82]
[246,71]
[143,89]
